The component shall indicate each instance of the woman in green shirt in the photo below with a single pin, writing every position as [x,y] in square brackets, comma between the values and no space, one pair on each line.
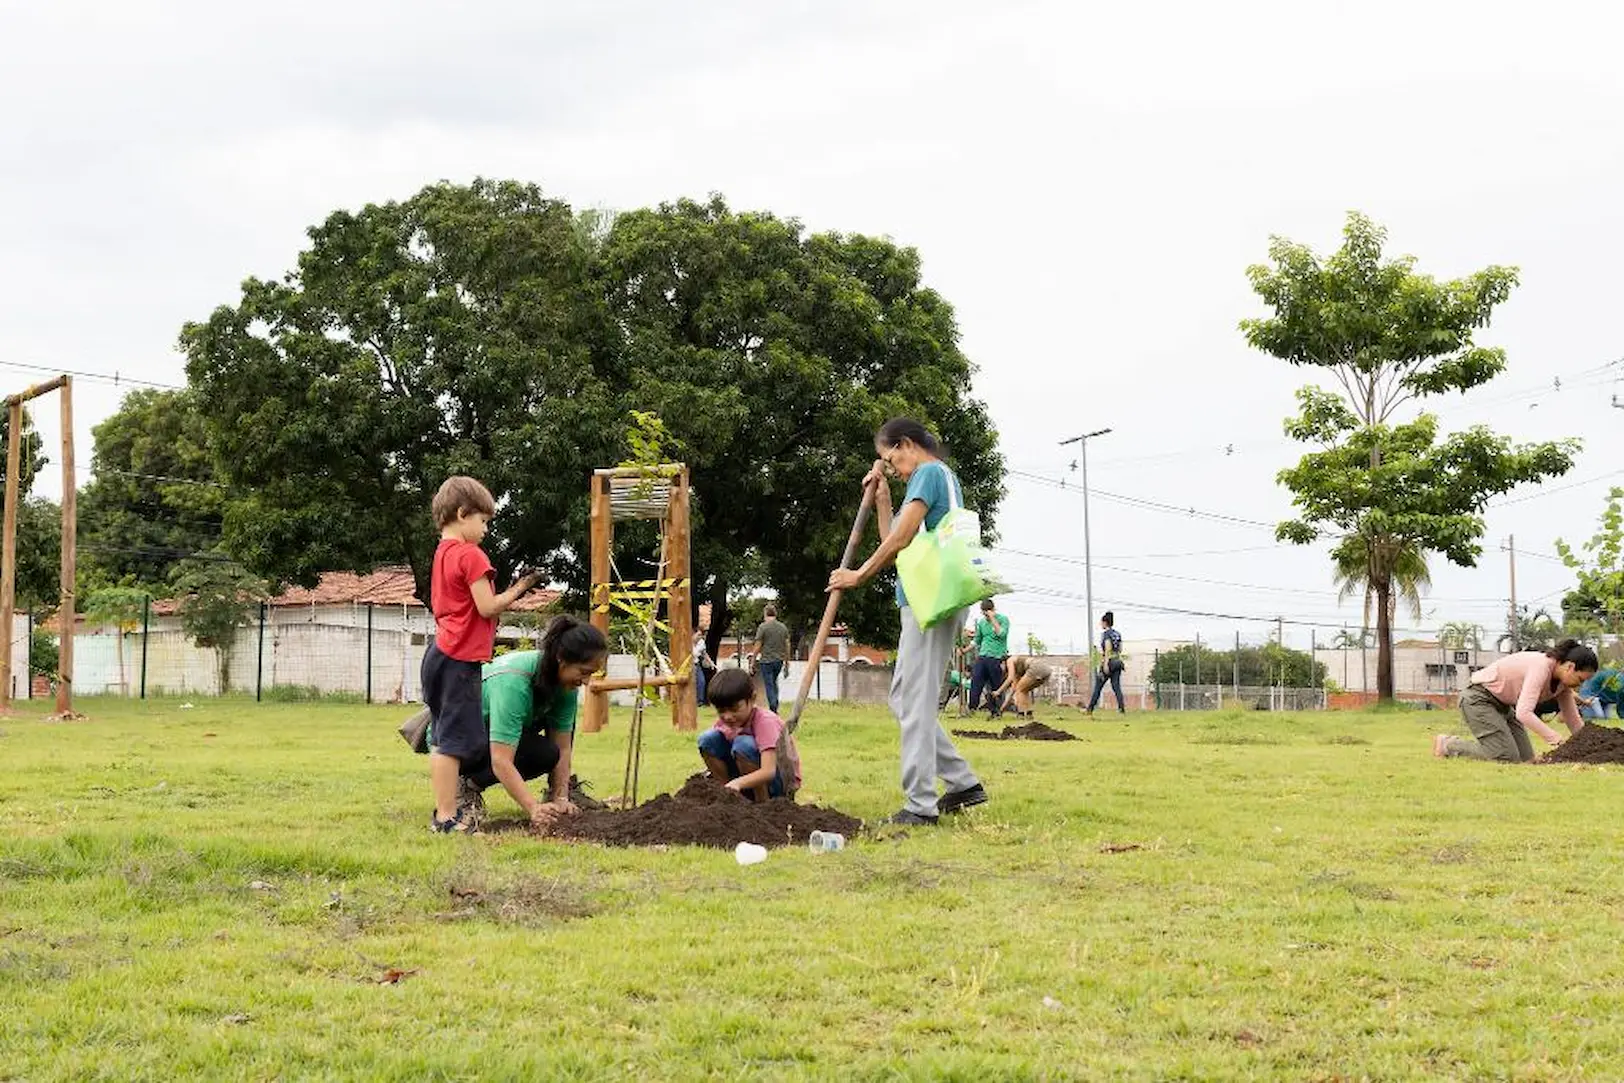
[529,700]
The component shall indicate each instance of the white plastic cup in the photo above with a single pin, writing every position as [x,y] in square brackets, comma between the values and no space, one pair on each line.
[825,842]
[748,853]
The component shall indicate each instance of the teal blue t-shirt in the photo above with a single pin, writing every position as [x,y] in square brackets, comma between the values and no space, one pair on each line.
[930,486]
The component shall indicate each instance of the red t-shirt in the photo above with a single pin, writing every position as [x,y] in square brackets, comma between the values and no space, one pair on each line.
[459,631]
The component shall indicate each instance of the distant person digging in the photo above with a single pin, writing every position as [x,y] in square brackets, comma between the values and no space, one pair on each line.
[1501,703]
[1023,676]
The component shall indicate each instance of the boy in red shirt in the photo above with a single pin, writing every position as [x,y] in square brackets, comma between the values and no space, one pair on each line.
[465,606]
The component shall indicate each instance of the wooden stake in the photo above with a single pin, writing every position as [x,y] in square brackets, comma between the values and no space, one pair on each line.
[596,716]
[8,565]
[815,657]
[70,548]
[684,707]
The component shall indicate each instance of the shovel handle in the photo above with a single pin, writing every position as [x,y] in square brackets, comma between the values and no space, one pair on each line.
[815,658]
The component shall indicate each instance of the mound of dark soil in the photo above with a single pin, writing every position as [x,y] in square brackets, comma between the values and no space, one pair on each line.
[1032,731]
[1592,744]
[705,813]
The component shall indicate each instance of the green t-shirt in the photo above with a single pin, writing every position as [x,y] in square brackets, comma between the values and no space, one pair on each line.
[507,697]
[992,636]
[933,485]
[774,639]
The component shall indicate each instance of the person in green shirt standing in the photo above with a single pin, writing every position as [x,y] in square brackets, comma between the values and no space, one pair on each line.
[529,701]
[992,648]
[772,651]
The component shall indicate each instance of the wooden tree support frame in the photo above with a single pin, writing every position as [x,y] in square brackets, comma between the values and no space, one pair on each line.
[8,562]
[628,493]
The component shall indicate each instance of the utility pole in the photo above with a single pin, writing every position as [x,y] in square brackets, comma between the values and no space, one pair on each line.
[1088,551]
[1511,551]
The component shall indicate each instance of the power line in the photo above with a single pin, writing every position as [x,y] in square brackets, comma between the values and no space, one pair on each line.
[114,378]
[1141,502]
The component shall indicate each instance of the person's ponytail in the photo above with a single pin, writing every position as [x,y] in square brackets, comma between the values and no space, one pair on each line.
[567,640]
[1571,650]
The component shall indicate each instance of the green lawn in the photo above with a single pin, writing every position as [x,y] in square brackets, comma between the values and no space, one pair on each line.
[1316,898]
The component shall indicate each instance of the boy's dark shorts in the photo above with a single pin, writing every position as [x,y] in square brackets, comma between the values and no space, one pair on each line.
[451,691]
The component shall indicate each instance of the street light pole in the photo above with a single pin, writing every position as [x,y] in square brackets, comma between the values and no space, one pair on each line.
[1088,551]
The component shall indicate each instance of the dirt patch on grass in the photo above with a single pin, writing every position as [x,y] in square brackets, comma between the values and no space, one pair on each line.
[1592,744]
[704,813]
[1032,731]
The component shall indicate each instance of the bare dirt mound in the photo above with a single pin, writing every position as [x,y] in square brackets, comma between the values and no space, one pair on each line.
[1592,744]
[1032,731]
[705,813]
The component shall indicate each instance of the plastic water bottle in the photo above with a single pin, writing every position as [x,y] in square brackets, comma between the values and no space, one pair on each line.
[825,842]
[748,853]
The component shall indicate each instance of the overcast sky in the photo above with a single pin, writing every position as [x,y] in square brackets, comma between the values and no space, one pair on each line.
[1087,185]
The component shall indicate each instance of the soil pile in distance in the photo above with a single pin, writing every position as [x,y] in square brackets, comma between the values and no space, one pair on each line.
[1032,731]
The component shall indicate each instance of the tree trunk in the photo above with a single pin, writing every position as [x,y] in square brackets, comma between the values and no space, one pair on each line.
[1384,640]
[721,617]
[223,658]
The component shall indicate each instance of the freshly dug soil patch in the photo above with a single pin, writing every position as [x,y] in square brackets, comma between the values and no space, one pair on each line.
[1032,731]
[1592,744]
[705,813]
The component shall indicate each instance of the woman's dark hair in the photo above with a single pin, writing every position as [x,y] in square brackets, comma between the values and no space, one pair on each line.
[1109,619]
[1571,650]
[567,641]
[729,688]
[898,429]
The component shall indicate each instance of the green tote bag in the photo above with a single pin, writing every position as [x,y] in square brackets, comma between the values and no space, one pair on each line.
[945,570]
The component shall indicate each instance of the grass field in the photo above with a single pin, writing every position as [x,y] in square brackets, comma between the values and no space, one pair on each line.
[1315,898]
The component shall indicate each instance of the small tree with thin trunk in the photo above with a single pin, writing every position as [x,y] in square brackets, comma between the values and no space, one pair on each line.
[217,597]
[120,607]
[1389,336]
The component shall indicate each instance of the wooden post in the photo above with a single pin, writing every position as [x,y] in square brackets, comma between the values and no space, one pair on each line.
[596,715]
[684,707]
[8,566]
[70,546]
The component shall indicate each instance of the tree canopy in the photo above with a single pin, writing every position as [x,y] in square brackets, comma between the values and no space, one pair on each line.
[155,497]
[1269,664]
[489,330]
[1599,566]
[1389,335]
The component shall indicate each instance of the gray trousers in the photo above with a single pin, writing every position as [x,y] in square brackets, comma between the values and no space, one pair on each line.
[927,750]
[1499,735]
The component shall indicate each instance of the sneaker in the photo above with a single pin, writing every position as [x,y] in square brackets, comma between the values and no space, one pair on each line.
[908,818]
[470,803]
[454,826]
[583,800]
[959,800]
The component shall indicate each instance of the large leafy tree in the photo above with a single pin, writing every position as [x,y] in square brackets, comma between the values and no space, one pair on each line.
[772,356]
[1599,566]
[456,332]
[489,330]
[1388,335]
[155,498]
[30,452]
[39,554]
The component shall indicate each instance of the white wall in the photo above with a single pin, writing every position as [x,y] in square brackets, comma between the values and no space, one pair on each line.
[19,656]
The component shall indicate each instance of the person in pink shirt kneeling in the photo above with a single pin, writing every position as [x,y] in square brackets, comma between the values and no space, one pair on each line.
[749,750]
[1499,704]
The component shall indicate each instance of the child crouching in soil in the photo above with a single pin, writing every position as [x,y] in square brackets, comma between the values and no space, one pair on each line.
[749,750]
